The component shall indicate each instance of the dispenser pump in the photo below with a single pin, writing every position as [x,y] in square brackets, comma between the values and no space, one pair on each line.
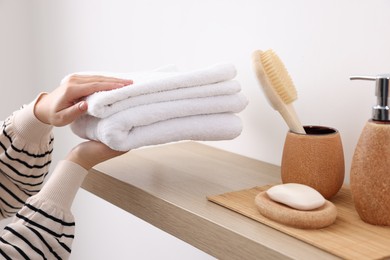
[381,111]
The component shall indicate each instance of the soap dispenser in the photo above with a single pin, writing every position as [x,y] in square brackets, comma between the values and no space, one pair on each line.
[370,169]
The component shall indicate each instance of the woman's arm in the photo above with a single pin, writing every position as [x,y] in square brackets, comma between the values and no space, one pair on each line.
[44,227]
[26,145]
[26,140]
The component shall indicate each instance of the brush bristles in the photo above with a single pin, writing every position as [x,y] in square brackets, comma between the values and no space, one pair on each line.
[278,76]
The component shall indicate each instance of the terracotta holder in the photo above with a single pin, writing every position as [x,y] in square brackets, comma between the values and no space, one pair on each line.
[315,159]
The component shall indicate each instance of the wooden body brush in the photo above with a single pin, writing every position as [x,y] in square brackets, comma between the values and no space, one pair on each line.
[278,86]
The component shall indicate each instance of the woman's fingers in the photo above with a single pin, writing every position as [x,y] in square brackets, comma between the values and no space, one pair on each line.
[83,85]
[79,79]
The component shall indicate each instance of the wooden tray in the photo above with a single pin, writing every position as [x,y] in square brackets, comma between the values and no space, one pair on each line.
[349,237]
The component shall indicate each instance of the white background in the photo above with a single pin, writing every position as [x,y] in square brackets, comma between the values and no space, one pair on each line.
[321,43]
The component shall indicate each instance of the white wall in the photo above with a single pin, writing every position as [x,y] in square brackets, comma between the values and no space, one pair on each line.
[16,73]
[321,43]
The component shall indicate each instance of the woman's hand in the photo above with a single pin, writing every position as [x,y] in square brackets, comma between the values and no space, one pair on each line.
[91,153]
[65,104]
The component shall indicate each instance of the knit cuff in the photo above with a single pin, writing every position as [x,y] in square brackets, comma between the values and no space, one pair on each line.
[29,127]
[63,184]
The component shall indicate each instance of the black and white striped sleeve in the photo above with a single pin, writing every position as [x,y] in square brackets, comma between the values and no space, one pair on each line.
[44,227]
[26,146]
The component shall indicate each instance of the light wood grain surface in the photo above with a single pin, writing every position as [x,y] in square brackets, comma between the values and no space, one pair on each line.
[349,237]
[168,186]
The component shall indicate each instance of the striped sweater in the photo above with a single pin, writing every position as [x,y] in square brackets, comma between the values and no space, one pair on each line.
[43,225]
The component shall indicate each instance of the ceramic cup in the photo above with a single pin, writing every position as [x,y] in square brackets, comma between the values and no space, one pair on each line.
[315,159]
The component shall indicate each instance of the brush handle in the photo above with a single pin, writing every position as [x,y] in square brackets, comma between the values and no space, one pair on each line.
[291,118]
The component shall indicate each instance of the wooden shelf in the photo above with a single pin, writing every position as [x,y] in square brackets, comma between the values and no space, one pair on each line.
[168,186]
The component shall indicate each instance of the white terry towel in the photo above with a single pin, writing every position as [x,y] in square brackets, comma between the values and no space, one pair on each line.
[97,108]
[160,85]
[211,127]
[117,130]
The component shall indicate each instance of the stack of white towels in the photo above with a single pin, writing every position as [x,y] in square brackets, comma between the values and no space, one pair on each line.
[164,106]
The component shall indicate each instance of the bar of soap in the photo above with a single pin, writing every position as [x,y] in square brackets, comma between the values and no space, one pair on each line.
[297,196]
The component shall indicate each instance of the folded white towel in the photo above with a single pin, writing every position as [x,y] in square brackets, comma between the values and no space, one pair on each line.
[164,106]
[97,108]
[212,127]
[124,122]
[163,85]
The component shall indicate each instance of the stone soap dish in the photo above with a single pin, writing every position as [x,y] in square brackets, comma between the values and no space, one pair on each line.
[315,217]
